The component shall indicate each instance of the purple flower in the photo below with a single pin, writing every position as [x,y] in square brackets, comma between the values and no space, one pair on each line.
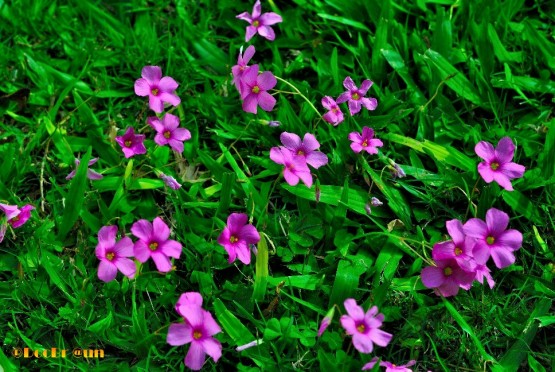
[389,367]
[364,327]
[366,141]
[158,89]
[239,69]
[460,248]
[396,170]
[198,329]
[334,115]
[493,239]
[186,300]
[260,23]
[355,96]
[170,181]
[447,277]
[237,236]
[254,90]
[295,167]
[326,321]
[305,149]
[113,256]
[10,211]
[22,217]
[274,123]
[168,132]
[153,242]
[131,143]
[92,175]
[375,202]
[497,165]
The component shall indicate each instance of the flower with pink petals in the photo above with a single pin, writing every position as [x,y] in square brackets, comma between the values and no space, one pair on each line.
[170,181]
[237,236]
[365,141]
[460,248]
[364,327]
[355,96]
[131,143]
[390,367]
[154,242]
[447,277]
[334,115]
[92,175]
[186,300]
[168,132]
[254,89]
[295,167]
[326,321]
[493,239]
[198,329]
[10,211]
[239,69]
[497,165]
[305,149]
[114,256]
[158,89]
[21,218]
[482,271]
[260,23]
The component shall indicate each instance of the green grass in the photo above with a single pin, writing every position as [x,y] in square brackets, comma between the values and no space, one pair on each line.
[446,73]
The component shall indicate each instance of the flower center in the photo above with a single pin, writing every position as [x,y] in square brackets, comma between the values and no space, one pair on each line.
[233,239]
[255,23]
[154,91]
[255,89]
[447,271]
[361,328]
[300,152]
[110,256]
[458,251]
[494,166]
[490,240]
[167,134]
[127,143]
[15,219]
[355,96]
[335,110]
[365,143]
[197,335]
[153,246]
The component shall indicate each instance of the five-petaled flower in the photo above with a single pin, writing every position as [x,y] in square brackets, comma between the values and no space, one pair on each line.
[497,165]
[154,242]
[295,166]
[260,23]
[254,90]
[447,277]
[364,327]
[168,132]
[239,69]
[22,217]
[131,143]
[365,142]
[389,367]
[158,89]
[334,115]
[355,96]
[237,236]
[459,248]
[305,149]
[114,256]
[92,175]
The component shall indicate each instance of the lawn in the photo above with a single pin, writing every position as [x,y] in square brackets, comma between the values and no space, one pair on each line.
[334,198]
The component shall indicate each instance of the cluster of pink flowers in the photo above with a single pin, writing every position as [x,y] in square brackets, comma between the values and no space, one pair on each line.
[198,329]
[13,216]
[153,242]
[355,98]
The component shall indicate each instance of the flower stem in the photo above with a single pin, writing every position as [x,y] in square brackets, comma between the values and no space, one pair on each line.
[299,93]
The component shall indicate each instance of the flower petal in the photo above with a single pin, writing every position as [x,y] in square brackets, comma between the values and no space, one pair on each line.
[163,263]
[317,159]
[290,177]
[502,257]
[503,181]
[291,141]
[370,103]
[496,221]
[124,248]
[266,80]
[485,150]
[107,236]
[212,347]
[243,252]
[155,104]
[486,172]
[195,356]
[245,16]
[236,221]
[475,228]
[170,98]
[366,84]
[354,107]
[343,97]
[249,52]
[210,325]
[167,84]
[380,337]
[511,239]
[348,324]
[363,343]
[176,145]
[266,101]
[142,88]
[250,104]
[171,248]
[141,251]
[455,230]
[142,229]
[126,266]
[267,32]
[328,103]
[310,143]
[353,309]
[250,32]
[107,271]
[249,234]
[432,277]
[179,334]
[256,9]
[349,84]
[271,18]
[152,74]
[505,150]
[513,170]
[277,156]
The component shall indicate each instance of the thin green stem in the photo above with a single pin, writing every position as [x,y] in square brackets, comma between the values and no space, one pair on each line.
[299,93]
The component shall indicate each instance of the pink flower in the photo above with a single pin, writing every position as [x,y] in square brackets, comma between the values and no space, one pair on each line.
[389,367]
[237,236]
[239,69]
[254,90]
[493,239]
[365,142]
[447,277]
[364,327]
[460,248]
[334,115]
[295,167]
[260,23]
[198,329]
[396,170]
[168,132]
[92,175]
[158,89]
[305,149]
[326,321]
[170,181]
[355,96]
[186,300]
[113,256]
[153,242]
[498,166]
[131,143]
[482,271]
[10,211]
[22,217]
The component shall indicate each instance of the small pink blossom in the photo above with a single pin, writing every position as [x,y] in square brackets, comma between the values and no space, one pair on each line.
[334,115]
[237,236]
[92,175]
[355,96]
[186,300]
[389,367]
[10,211]
[154,242]
[168,132]
[260,23]
[497,165]
[254,89]
[447,277]
[170,181]
[114,256]
[131,143]
[305,149]
[21,218]
[158,89]
[295,167]
[326,321]
[365,142]
[459,248]
[239,69]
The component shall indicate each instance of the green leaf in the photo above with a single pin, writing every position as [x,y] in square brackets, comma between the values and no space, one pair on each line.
[261,270]
[232,326]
